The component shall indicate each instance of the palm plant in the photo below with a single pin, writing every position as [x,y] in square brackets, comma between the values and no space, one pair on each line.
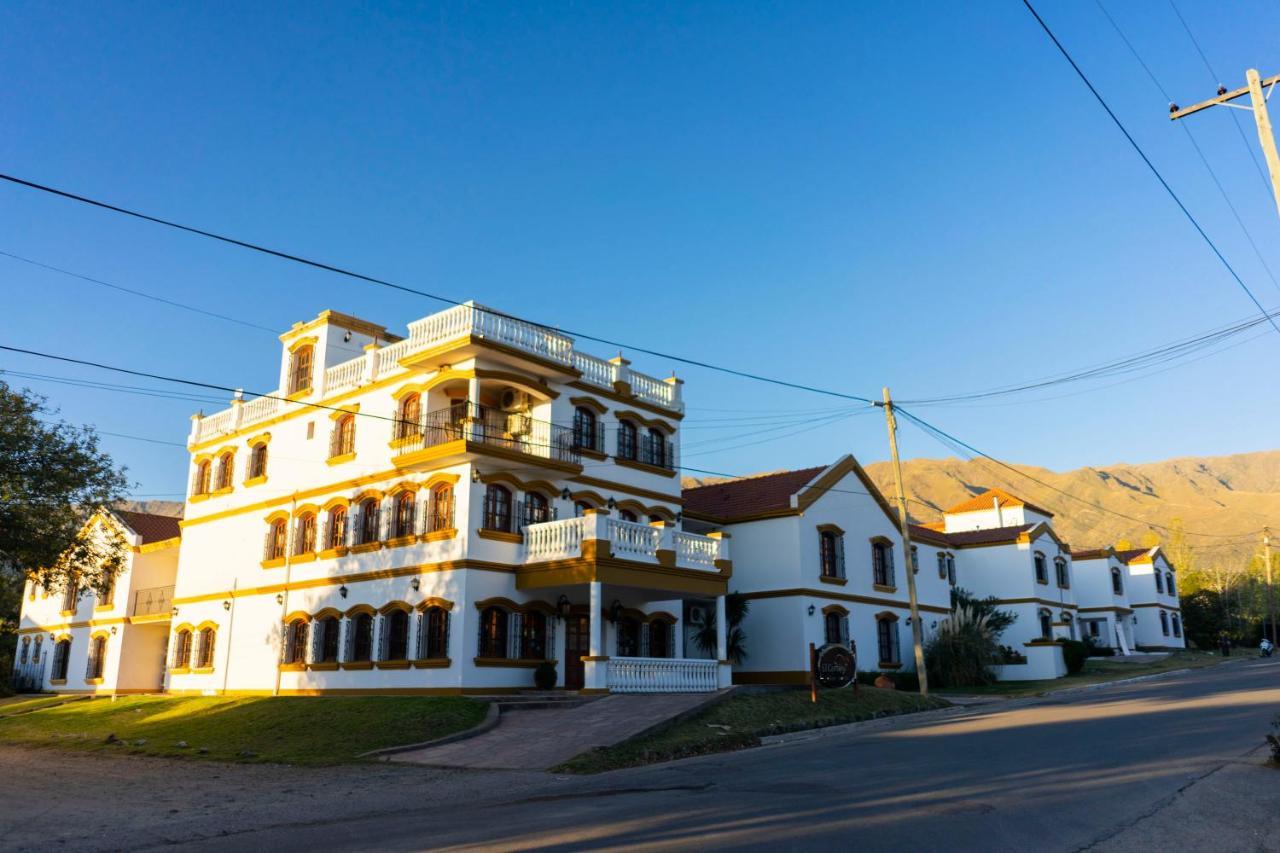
[736,607]
[964,649]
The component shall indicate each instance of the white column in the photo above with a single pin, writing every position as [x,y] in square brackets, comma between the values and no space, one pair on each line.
[473,413]
[596,628]
[722,630]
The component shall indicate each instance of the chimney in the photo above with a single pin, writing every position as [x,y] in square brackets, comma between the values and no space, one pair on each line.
[995,503]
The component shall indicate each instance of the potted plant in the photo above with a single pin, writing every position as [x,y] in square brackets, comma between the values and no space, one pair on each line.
[545,676]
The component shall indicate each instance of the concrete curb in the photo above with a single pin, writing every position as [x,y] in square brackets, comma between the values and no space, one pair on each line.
[891,721]
[491,719]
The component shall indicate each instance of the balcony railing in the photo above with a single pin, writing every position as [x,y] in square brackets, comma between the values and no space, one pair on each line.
[661,675]
[456,323]
[509,431]
[153,601]
[558,540]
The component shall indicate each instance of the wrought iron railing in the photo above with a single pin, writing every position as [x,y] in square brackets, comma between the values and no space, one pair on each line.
[152,601]
[508,430]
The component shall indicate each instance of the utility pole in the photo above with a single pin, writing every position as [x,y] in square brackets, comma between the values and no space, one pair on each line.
[1259,109]
[917,630]
[1271,600]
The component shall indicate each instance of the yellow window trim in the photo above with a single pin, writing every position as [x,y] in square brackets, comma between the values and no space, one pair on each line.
[440,535]
[256,481]
[305,557]
[330,553]
[401,541]
[366,547]
[352,409]
[340,458]
[273,563]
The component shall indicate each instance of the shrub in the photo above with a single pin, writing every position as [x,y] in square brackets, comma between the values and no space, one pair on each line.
[963,650]
[1075,653]
[544,677]
[901,680]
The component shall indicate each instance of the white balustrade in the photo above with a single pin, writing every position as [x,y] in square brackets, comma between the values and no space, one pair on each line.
[634,539]
[343,376]
[662,675]
[652,390]
[695,550]
[218,424]
[554,540]
[595,371]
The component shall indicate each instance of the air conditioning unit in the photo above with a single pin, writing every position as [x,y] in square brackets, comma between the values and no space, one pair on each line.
[514,401]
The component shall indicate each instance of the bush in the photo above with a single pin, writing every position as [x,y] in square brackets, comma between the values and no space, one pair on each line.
[963,650]
[1075,653]
[908,681]
[544,677]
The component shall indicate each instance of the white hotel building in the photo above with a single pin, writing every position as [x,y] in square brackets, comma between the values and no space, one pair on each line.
[455,510]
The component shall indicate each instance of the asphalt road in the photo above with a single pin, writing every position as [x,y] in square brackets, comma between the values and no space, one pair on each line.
[1063,773]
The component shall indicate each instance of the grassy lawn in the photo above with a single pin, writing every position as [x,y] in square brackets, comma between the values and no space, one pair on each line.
[1096,671]
[22,704]
[291,730]
[741,720]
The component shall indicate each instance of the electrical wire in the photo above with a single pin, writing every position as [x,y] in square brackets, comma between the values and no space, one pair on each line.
[1145,159]
[244,244]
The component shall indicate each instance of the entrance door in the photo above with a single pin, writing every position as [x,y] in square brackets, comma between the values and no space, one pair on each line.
[577,642]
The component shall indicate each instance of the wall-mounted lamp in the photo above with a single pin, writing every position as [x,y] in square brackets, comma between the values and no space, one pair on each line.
[226,605]
[342,590]
[346,339]
[612,504]
[615,610]
[565,494]
[279,598]
[416,584]
[563,605]
[113,630]
[812,610]
[175,611]
[475,475]
[908,621]
[933,624]
[679,517]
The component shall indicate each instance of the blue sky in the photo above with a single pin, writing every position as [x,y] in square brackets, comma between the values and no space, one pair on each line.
[850,195]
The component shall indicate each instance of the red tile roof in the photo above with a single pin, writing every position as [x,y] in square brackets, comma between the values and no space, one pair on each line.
[926,533]
[990,536]
[1132,554]
[152,528]
[983,500]
[1091,554]
[748,497]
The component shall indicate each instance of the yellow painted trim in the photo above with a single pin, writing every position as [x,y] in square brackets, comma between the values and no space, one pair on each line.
[161,545]
[340,458]
[840,596]
[433,663]
[500,535]
[343,411]
[256,481]
[330,553]
[273,563]
[589,403]
[440,535]
[365,547]
[522,663]
[628,399]
[879,587]
[391,664]
[832,580]
[305,557]
[434,601]
[658,423]
[643,466]
[311,340]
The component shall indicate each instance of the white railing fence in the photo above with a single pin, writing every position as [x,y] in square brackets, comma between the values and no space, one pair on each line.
[661,675]
[343,376]
[551,540]
[632,537]
[692,549]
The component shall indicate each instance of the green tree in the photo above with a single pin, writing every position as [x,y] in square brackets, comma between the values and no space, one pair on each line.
[53,479]
[997,620]
[736,607]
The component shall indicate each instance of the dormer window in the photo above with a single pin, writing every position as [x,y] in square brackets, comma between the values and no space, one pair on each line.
[1060,569]
[1042,568]
[1117,584]
[300,369]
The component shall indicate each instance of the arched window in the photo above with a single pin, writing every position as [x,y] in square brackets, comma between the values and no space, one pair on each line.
[182,649]
[584,429]
[1164,622]
[35,648]
[24,654]
[337,527]
[626,440]
[660,639]
[831,553]
[1046,624]
[361,628]
[61,659]
[226,469]
[330,629]
[97,657]
[882,573]
[655,448]
[295,642]
[835,626]
[441,507]
[300,369]
[435,634]
[1159,583]
[951,569]
[406,511]
[369,521]
[1042,568]
[409,418]
[493,633]
[627,515]
[200,481]
[628,632]
[305,543]
[1117,584]
[277,538]
[1177,625]
[497,508]
[1060,569]
[533,636]
[396,644]
[536,509]
[1071,625]
[107,592]
[258,461]
[208,636]
[342,441]
[887,639]
[1168,583]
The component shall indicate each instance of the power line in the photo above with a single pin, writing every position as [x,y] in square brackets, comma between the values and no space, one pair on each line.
[1145,159]
[949,439]
[1217,80]
[244,244]
[1194,144]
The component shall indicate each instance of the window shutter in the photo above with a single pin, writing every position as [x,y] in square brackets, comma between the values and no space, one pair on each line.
[515,628]
[88,669]
[889,574]
[839,542]
[385,519]
[444,645]
[420,643]
[266,543]
[550,651]
[380,625]
[844,630]
[316,650]
[286,645]
[644,640]
[346,629]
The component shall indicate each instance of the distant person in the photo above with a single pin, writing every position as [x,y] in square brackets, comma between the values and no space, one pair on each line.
[1266,647]
[1224,643]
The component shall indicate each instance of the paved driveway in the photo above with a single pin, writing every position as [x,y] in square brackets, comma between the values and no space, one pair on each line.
[1131,767]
